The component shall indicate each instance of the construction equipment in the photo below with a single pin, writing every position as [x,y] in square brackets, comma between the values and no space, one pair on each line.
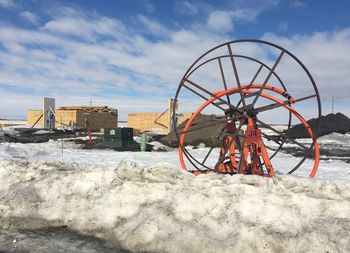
[245,102]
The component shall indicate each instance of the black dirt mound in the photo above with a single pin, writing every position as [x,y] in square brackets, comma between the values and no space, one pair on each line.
[205,129]
[331,123]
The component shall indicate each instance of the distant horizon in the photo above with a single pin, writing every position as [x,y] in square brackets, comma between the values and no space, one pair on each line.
[125,120]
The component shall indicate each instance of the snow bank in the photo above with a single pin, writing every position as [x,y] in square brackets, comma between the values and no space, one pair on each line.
[72,153]
[162,209]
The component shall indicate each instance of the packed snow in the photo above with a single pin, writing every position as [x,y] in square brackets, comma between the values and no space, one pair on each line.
[103,201]
[160,208]
[69,152]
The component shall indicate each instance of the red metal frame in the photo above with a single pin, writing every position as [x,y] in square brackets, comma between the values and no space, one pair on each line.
[253,144]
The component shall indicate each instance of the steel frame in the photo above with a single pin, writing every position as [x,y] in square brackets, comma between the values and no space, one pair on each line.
[216,99]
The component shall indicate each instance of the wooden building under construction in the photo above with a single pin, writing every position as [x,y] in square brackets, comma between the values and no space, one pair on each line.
[148,121]
[98,117]
[156,121]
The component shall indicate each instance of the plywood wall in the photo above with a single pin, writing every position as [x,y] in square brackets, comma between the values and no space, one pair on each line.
[66,118]
[98,120]
[145,121]
[33,116]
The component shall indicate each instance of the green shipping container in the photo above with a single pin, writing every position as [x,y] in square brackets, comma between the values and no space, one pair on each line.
[118,133]
[119,138]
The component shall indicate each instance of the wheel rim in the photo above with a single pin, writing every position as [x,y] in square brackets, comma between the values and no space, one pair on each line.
[272,72]
[182,150]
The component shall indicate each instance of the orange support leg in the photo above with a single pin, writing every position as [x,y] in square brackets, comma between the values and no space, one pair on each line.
[254,146]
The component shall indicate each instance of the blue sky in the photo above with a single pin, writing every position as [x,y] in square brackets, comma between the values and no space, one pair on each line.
[132,54]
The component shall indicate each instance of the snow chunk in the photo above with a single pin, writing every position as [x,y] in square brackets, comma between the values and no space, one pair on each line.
[160,208]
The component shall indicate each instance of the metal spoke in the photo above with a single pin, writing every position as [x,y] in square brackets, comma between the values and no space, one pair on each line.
[275,150]
[200,95]
[252,81]
[282,134]
[223,79]
[222,158]
[211,149]
[206,157]
[195,160]
[213,95]
[241,156]
[236,74]
[267,78]
[270,138]
[276,105]
[255,76]
[245,102]
[203,125]
[203,163]
[238,56]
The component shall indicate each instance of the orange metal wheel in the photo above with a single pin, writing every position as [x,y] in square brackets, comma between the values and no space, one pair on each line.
[237,81]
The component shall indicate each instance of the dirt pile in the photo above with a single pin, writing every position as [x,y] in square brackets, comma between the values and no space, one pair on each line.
[331,123]
[205,129]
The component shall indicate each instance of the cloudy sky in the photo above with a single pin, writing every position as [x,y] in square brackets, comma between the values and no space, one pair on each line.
[132,54]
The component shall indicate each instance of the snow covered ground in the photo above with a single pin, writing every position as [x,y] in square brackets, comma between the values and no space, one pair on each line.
[102,200]
[160,208]
[72,153]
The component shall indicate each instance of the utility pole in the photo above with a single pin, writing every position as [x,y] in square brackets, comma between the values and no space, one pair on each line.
[90,102]
[333,104]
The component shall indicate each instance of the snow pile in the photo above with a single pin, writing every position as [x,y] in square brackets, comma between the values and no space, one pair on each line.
[160,208]
[72,153]
[335,139]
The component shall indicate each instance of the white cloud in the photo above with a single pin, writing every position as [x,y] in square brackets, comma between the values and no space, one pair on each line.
[248,15]
[29,17]
[247,11]
[186,7]
[324,54]
[76,55]
[148,6]
[283,26]
[297,5]
[257,5]
[152,26]
[85,27]
[53,59]
[7,4]
[220,21]
[30,101]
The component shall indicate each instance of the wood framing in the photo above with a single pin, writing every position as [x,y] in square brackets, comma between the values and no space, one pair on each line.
[146,121]
[98,117]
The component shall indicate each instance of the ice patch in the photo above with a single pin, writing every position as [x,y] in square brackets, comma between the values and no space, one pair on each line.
[160,208]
